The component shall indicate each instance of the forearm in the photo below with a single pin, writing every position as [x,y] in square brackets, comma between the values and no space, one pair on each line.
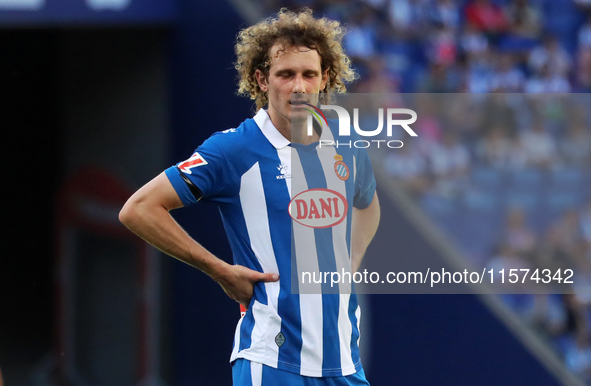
[146,213]
[364,227]
[156,226]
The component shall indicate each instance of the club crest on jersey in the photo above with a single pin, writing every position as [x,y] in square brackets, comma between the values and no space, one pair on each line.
[195,160]
[340,168]
[318,208]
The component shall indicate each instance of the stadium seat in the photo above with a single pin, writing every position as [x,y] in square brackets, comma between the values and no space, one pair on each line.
[486,177]
[436,205]
[528,200]
[480,232]
[571,178]
[526,179]
[557,201]
[480,200]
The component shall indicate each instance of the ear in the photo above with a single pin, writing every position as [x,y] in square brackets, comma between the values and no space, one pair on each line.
[262,80]
[324,80]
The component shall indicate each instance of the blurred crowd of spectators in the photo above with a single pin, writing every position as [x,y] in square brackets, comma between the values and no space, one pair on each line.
[562,319]
[564,243]
[502,132]
[494,149]
[490,46]
[464,45]
[519,136]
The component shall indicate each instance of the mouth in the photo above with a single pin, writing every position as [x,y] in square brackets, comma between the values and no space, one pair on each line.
[299,102]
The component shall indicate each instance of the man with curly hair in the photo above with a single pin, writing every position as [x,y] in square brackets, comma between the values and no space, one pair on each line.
[283,338]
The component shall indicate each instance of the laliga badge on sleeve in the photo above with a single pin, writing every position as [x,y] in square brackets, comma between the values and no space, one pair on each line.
[195,160]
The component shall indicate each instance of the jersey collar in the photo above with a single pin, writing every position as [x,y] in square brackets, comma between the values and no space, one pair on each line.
[273,135]
[269,130]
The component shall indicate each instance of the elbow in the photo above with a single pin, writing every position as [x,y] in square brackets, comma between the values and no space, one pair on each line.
[128,213]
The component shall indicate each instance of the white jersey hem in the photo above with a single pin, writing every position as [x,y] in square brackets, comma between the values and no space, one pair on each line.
[297,369]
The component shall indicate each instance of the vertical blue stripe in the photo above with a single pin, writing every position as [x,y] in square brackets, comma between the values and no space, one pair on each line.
[295,284]
[246,330]
[288,308]
[235,215]
[315,178]
[353,303]
[233,219]
[288,304]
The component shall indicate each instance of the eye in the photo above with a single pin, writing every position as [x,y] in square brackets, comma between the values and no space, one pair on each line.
[284,74]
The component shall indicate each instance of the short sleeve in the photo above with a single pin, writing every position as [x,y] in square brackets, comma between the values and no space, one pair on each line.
[365,182]
[204,170]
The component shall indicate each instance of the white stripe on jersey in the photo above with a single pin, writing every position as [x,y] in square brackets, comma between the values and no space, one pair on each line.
[261,321]
[285,157]
[354,169]
[256,373]
[236,340]
[311,294]
[312,344]
[254,208]
[345,331]
[342,259]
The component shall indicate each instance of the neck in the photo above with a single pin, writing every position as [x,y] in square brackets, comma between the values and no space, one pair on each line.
[295,132]
[299,134]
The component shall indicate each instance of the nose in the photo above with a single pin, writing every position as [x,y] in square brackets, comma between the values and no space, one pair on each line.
[298,84]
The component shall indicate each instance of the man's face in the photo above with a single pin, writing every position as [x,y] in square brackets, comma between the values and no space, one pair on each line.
[292,70]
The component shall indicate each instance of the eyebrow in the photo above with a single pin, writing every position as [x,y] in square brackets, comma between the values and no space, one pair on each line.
[289,70]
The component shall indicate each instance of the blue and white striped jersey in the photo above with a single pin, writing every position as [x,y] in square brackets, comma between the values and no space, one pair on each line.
[258,179]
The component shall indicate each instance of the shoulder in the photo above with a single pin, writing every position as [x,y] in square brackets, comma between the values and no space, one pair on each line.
[234,140]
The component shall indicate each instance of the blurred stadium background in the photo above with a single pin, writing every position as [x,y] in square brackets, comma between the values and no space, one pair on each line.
[98,96]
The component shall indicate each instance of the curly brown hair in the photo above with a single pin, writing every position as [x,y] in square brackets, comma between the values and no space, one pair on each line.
[292,29]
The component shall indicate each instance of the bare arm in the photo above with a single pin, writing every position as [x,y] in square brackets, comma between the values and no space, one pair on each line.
[146,213]
[364,227]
